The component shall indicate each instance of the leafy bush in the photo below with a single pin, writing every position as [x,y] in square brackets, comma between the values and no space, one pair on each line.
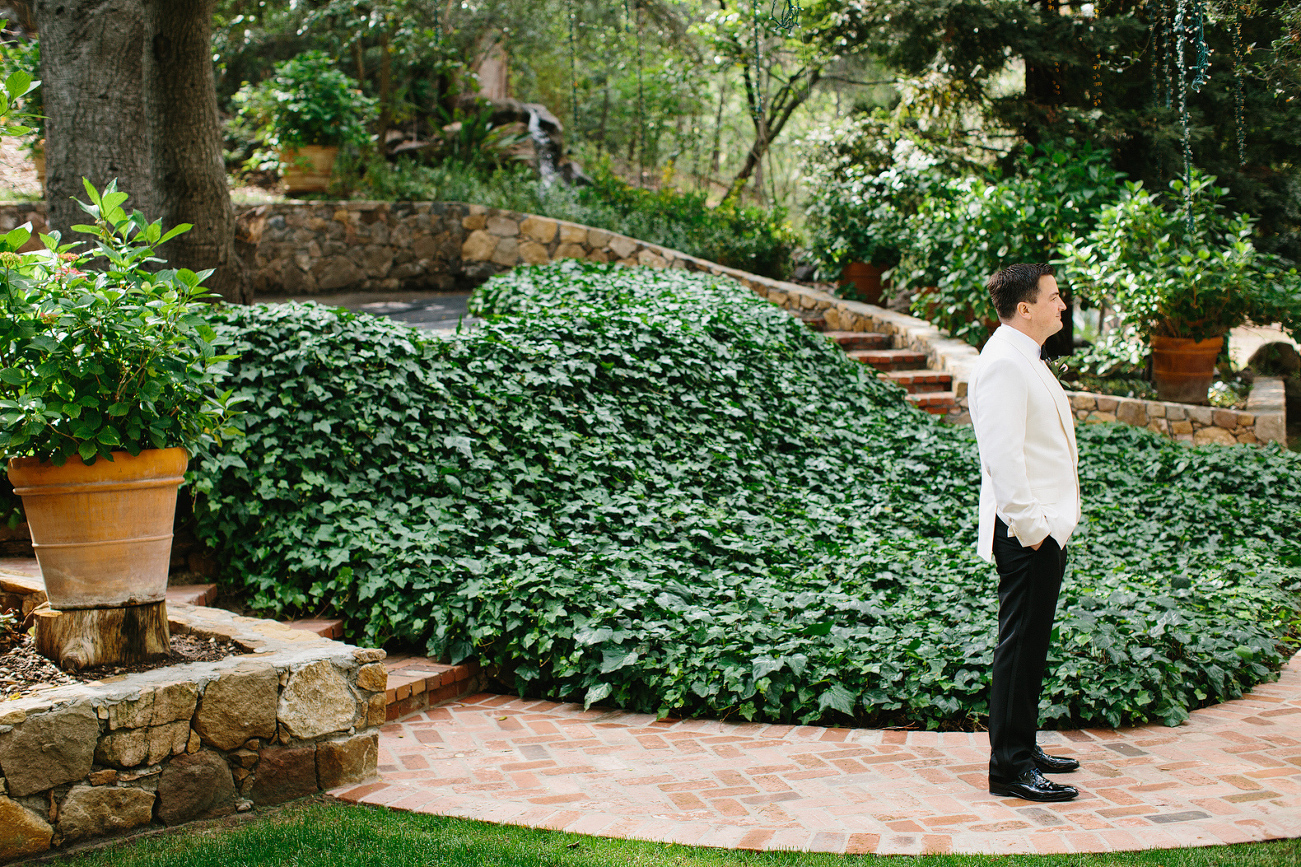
[1172,279]
[956,240]
[752,239]
[308,101]
[656,490]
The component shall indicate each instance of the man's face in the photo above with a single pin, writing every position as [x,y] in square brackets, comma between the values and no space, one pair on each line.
[1045,312]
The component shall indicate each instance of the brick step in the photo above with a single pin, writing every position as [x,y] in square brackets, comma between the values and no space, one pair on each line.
[192,594]
[415,683]
[918,381]
[325,628]
[817,323]
[934,402]
[890,359]
[850,340]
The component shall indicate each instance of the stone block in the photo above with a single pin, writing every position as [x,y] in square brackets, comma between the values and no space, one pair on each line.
[347,761]
[195,786]
[93,811]
[376,261]
[539,229]
[47,750]
[533,253]
[503,227]
[1100,418]
[598,238]
[1132,412]
[1225,418]
[1176,412]
[425,246]
[130,747]
[238,706]
[571,251]
[1155,410]
[317,701]
[598,256]
[22,832]
[570,234]
[1246,419]
[1107,404]
[651,259]
[1217,435]
[1201,415]
[377,710]
[474,222]
[478,247]
[1246,437]
[507,252]
[284,773]
[1181,427]
[1084,401]
[1159,425]
[622,247]
[832,315]
[372,677]
[1270,429]
[337,272]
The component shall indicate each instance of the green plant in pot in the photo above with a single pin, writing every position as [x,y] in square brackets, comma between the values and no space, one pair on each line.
[1183,288]
[107,377]
[307,109]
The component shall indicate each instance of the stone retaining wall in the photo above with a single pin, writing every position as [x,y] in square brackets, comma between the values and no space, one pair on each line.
[293,715]
[305,248]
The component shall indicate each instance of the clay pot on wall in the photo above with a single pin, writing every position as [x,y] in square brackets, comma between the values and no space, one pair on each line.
[1183,369]
[102,533]
[307,169]
[866,279]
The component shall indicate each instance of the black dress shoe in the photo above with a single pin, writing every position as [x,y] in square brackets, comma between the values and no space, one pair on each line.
[1033,786]
[1053,764]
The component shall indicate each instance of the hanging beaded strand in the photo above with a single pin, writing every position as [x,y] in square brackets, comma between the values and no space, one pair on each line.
[1238,100]
[573,66]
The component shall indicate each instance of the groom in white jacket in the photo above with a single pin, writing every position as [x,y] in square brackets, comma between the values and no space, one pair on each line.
[1029,506]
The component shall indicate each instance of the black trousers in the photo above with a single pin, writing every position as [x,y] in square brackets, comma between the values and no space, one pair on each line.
[1028,584]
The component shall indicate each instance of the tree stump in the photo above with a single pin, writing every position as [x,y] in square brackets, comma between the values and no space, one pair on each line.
[88,637]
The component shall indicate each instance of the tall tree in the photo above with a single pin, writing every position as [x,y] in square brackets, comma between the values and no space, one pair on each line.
[188,173]
[93,93]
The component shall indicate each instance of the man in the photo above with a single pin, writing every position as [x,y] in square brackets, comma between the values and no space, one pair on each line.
[1029,506]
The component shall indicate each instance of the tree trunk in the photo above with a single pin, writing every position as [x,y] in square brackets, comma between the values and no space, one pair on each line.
[189,176]
[94,103]
[83,638]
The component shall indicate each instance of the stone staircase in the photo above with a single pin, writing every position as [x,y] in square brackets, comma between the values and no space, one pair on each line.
[929,390]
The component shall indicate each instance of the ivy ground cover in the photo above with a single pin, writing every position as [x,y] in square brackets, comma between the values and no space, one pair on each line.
[655,490]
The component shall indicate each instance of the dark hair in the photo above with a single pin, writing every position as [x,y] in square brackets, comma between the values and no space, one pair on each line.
[1014,284]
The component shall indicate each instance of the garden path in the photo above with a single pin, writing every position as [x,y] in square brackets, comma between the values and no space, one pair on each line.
[1231,773]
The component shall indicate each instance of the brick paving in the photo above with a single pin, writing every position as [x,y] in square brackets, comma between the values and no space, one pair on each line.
[1231,774]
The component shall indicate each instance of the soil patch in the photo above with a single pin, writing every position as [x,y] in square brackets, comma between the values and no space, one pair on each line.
[22,669]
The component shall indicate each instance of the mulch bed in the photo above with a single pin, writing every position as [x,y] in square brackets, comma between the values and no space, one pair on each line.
[22,669]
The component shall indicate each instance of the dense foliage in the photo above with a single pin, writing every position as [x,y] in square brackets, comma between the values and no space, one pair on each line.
[656,490]
[306,102]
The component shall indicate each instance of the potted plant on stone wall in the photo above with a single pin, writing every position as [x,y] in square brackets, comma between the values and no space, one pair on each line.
[1182,288]
[107,373]
[307,110]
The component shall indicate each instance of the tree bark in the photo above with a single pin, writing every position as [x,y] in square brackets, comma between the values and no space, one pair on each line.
[790,97]
[94,103]
[188,173]
[83,638]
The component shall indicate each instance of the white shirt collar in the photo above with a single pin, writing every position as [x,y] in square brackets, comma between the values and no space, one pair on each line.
[1022,341]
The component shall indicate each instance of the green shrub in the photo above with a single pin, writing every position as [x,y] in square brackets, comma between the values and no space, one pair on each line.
[655,490]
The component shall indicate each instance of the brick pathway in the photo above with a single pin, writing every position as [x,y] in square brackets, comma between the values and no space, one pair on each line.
[1231,774]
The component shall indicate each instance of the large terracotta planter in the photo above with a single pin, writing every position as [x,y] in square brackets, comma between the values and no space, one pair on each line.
[307,169]
[1183,369]
[866,279]
[102,533]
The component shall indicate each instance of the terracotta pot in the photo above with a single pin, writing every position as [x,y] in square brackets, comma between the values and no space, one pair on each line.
[866,279]
[102,533]
[307,169]
[1183,369]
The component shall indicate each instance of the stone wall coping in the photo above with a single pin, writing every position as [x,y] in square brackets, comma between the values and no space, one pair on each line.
[263,641]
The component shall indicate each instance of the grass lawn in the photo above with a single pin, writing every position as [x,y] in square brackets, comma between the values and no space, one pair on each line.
[334,835]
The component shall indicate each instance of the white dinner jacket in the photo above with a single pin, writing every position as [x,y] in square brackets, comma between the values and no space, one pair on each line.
[1029,466]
